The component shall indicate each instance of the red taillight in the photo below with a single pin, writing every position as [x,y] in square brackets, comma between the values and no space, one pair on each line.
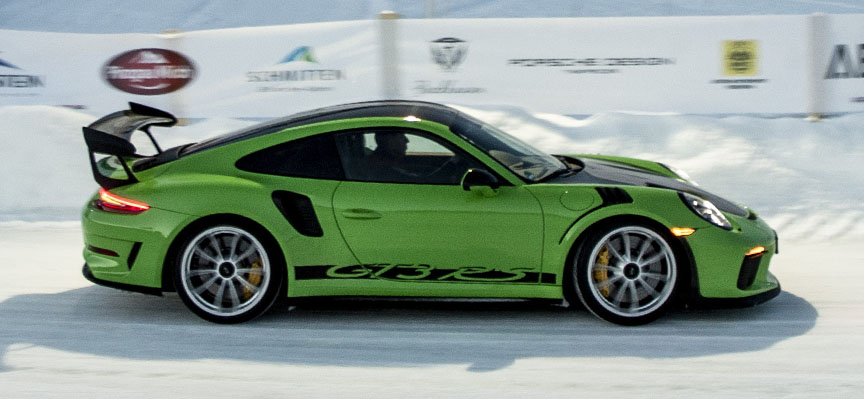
[111,202]
[102,251]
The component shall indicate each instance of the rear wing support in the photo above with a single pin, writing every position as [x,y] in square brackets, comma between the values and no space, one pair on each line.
[112,134]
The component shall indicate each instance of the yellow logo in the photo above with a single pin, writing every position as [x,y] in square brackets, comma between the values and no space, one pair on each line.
[740,57]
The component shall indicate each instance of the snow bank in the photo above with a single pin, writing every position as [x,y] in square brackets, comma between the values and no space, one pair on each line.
[803,177]
[44,171]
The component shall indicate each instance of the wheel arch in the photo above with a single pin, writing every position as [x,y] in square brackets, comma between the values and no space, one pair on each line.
[683,254]
[211,220]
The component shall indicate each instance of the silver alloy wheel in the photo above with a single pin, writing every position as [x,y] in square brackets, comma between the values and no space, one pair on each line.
[225,271]
[632,271]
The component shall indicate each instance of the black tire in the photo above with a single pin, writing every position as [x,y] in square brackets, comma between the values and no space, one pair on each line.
[228,273]
[626,273]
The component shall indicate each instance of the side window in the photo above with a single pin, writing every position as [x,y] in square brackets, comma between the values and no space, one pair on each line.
[313,157]
[398,156]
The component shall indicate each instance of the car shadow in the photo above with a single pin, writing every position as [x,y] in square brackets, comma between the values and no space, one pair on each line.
[484,335]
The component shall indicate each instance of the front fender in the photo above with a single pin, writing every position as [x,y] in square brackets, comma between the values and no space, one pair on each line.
[660,205]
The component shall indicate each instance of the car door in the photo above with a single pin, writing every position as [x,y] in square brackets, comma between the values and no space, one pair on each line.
[298,176]
[411,221]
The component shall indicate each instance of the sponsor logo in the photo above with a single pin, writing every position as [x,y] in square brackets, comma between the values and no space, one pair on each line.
[15,78]
[302,53]
[582,66]
[740,60]
[21,81]
[448,52]
[5,64]
[844,64]
[847,63]
[149,71]
[294,72]
[443,87]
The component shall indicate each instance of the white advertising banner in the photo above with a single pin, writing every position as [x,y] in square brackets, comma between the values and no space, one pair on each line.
[588,65]
[74,70]
[276,71]
[697,65]
[240,73]
[842,61]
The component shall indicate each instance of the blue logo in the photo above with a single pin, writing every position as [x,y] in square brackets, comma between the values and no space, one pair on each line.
[302,53]
[7,65]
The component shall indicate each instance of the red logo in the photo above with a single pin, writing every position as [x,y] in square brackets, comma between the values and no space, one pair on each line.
[149,71]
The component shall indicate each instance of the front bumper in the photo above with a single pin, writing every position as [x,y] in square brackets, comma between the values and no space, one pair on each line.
[744,302]
[724,271]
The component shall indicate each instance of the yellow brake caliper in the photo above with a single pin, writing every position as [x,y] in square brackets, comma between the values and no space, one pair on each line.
[254,278]
[601,275]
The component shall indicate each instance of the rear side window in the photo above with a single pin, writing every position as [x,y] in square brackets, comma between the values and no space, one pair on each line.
[312,157]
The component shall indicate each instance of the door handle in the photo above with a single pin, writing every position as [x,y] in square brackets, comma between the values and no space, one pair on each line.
[359,213]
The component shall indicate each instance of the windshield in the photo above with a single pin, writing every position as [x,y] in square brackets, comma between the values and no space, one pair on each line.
[528,162]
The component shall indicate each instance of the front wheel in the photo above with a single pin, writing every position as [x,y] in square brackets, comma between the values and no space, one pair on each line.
[626,274]
[226,274]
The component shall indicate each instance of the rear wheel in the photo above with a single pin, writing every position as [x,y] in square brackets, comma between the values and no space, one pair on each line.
[626,274]
[227,274]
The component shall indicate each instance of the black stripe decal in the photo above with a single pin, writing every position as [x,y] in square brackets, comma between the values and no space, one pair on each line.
[420,272]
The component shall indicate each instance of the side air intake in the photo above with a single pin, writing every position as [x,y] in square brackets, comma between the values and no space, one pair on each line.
[297,208]
[614,196]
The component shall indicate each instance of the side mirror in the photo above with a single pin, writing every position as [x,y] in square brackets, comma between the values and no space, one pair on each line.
[479,180]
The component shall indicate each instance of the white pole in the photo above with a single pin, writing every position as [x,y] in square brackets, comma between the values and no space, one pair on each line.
[430,8]
[816,45]
[177,101]
[387,36]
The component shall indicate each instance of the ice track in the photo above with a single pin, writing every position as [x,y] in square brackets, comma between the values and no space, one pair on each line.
[60,336]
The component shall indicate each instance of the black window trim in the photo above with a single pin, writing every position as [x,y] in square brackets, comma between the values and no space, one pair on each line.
[332,136]
[423,133]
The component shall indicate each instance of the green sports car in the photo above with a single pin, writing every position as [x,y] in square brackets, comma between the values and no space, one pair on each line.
[412,199]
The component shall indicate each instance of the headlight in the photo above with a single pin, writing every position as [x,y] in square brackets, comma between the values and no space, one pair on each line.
[706,210]
[682,174]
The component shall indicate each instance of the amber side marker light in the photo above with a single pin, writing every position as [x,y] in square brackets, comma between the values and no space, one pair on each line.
[755,251]
[682,231]
[111,202]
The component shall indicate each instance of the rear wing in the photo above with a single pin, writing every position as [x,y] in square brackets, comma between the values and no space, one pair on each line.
[111,135]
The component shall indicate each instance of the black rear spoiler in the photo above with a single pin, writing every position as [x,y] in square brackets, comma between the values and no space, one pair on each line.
[112,134]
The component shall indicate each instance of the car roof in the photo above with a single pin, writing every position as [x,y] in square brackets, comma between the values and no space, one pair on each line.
[388,108]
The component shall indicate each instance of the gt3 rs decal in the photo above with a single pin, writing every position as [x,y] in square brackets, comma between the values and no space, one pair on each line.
[421,272]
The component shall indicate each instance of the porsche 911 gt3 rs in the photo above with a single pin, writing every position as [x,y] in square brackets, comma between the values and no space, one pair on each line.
[404,198]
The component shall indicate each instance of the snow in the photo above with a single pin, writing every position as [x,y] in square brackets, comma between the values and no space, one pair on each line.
[61,336]
[803,177]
